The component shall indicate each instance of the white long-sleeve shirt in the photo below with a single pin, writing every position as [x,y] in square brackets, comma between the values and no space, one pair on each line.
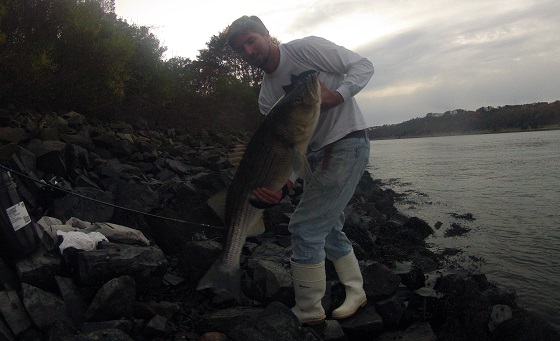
[339,69]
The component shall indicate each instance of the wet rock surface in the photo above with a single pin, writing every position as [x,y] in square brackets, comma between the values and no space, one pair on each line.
[145,190]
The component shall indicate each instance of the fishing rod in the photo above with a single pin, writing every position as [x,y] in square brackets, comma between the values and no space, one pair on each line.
[58,188]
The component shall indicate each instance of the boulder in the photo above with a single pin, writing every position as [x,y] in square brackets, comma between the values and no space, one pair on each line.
[379,281]
[14,313]
[146,264]
[114,300]
[44,308]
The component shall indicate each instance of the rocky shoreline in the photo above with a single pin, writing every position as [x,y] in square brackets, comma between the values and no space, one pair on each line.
[145,189]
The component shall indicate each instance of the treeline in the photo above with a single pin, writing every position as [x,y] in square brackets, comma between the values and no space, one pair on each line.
[485,119]
[78,55]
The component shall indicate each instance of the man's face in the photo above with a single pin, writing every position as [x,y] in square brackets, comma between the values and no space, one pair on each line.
[253,47]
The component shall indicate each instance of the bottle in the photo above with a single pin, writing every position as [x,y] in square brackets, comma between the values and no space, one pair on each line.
[17,233]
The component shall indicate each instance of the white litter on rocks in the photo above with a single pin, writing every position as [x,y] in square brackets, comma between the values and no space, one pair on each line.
[80,240]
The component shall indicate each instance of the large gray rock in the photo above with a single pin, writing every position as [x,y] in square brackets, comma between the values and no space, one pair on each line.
[197,257]
[78,140]
[148,309]
[365,324]
[411,275]
[8,278]
[9,134]
[225,320]
[121,234]
[50,156]
[269,281]
[6,333]
[135,196]
[156,326]
[75,304]
[379,281]
[275,323]
[421,331]
[104,335]
[13,312]
[423,301]
[44,308]
[114,144]
[114,300]
[146,264]
[114,168]
[272,252]
[129,326]
[500,313]
[82,207]
[39,269]
[418,228]
[391,311]
[330,330]
[74,119]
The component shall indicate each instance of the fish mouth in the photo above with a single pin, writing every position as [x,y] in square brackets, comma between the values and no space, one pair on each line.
[305,85]
[313,86]
[308,83]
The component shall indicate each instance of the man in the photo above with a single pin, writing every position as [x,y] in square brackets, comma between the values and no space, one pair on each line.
[338,154]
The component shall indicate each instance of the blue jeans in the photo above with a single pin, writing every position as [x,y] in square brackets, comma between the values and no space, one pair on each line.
[316,225]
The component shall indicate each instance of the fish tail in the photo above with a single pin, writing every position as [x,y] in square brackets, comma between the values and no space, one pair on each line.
[220,276]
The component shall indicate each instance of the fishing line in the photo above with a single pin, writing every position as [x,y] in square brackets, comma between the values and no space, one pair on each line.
[106,203]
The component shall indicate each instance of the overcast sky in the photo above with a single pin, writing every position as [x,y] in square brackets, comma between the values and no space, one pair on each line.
[430,56]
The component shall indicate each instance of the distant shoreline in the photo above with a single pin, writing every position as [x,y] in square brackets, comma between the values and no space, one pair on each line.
[479,132]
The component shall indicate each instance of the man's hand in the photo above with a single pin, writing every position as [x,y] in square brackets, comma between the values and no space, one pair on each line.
[329,99]
[269,197]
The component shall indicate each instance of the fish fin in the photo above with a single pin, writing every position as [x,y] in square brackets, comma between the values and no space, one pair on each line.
[217,203]
[235,162]
[236,155]
[301,165]
[257,228]
[218,276]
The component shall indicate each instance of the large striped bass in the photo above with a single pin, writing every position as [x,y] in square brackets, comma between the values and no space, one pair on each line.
[277,149]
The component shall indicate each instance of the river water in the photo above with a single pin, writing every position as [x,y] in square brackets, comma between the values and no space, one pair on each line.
[509,182]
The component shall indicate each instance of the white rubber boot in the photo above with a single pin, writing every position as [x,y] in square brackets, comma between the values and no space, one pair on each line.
[348,271]
[309,288]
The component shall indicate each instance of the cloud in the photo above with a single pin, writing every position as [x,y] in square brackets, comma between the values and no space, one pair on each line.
[429,56]
[508,57]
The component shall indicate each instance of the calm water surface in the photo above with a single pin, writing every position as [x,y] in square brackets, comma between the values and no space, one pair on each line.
[510,183]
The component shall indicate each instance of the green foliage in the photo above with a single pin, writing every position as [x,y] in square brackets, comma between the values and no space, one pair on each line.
[59,53]
[228,85]
[485,119]
[2,15]
[221,57]
[78,55]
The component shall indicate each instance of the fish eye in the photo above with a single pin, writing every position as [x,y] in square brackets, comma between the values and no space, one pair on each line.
[298,100]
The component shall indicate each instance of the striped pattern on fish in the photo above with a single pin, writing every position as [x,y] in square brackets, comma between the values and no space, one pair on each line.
[276,149]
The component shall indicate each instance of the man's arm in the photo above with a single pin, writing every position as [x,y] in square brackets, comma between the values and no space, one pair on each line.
[329,98]
[329,57]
